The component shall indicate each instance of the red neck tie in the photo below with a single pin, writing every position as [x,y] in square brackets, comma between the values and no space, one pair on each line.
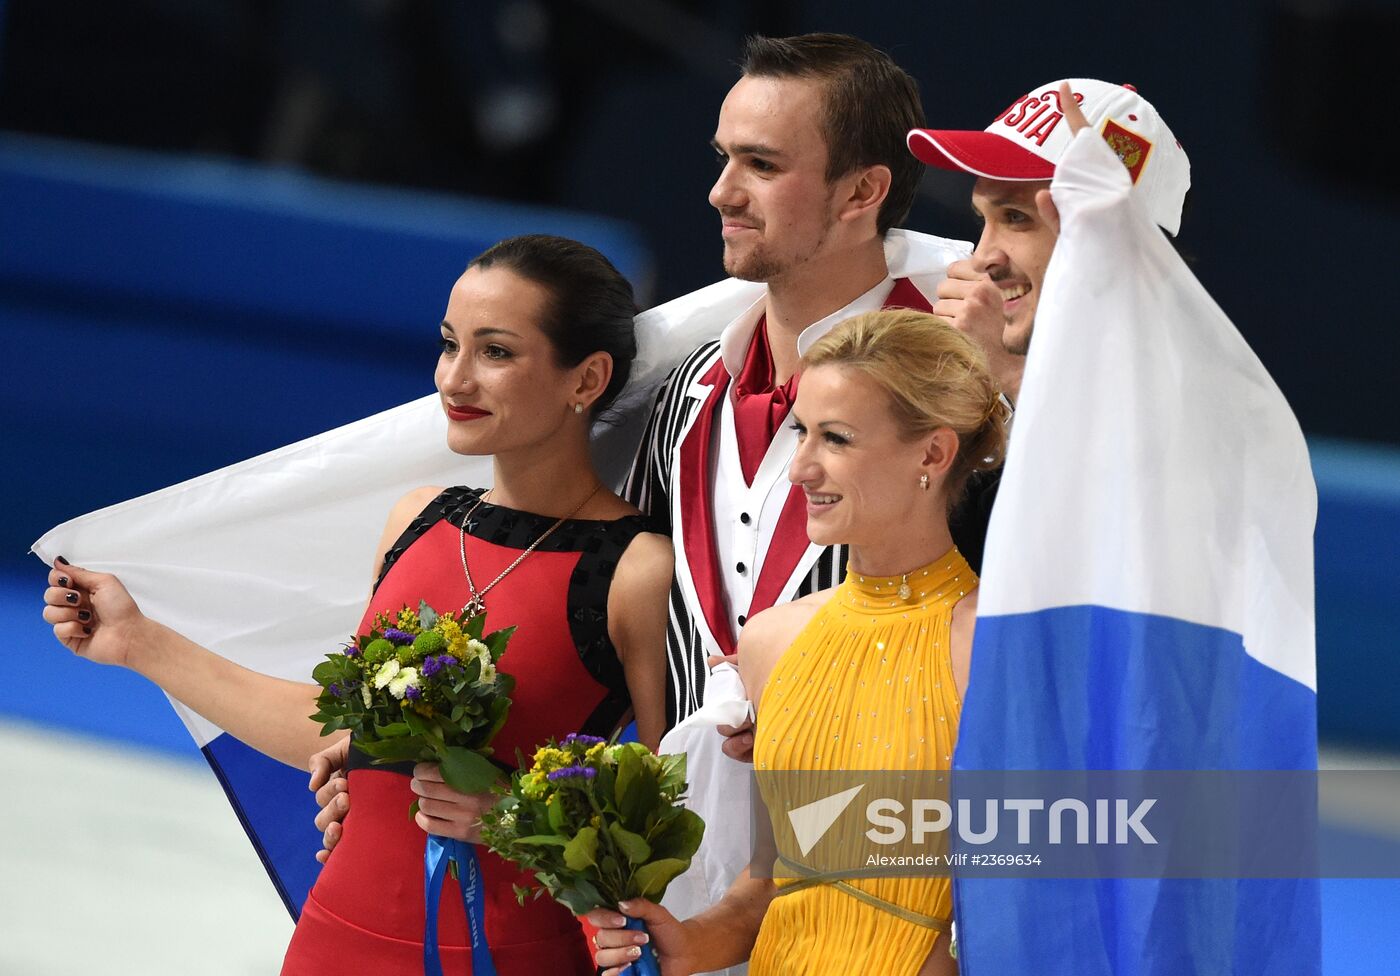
[760,406]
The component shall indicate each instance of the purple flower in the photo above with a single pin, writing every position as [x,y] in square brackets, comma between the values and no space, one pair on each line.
[431,666]
[412,693]
[447,660]
[352,650]
[572,772]
[398,636]
[588,740]
[334,689]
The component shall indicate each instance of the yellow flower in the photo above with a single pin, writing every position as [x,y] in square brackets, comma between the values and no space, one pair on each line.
[408,621]
[594,755]
[548,759]
[532,785]
[449,629]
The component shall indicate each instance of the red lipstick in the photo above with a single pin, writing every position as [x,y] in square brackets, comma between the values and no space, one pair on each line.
[466,412]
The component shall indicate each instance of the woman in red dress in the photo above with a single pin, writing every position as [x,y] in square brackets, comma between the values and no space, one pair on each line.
[536,340]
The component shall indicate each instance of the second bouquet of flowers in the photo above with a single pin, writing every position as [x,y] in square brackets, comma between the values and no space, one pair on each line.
[597,823]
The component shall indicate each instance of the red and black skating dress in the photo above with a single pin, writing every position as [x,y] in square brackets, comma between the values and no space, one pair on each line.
[365,913]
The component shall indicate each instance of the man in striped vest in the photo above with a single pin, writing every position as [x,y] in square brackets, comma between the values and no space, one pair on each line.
[814,175]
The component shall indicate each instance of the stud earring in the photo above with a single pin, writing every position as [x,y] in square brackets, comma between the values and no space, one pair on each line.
[923,482]
[578,408]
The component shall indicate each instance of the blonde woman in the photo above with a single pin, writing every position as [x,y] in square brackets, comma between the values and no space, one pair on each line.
[895,410]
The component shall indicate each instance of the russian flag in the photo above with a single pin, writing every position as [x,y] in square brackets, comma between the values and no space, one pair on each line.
[267,562]
[1146,598]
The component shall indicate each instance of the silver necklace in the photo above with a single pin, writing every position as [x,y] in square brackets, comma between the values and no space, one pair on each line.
[476,606]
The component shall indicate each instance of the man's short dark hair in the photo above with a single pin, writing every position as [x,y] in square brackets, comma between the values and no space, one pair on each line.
[871,104]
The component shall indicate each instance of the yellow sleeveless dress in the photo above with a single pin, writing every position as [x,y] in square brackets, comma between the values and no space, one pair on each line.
[867,685]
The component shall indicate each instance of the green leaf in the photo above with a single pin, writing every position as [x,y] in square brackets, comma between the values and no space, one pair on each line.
[582,851]
[633,846]
[326,672]
[408,749]
[498,712]
[394,730]
[680,836]
[496,642]
[575,901]
[556,814]
[637,790]
[427,616]
[467,771]
[651,879]
[553,840]
[673,773]
[587,890]
[416,723]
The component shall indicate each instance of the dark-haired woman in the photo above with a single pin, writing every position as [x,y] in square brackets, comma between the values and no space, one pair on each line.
[536,340]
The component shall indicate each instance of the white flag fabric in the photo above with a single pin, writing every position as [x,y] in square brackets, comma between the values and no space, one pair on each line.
[268,562]
[1147,594]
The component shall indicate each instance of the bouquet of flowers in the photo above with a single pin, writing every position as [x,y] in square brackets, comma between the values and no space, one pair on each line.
[597,823]
[421,687]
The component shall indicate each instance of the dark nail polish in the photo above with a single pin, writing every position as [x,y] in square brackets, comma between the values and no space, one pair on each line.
[84,615]
[63,581]
[61,560]
[72,598]
[88,631]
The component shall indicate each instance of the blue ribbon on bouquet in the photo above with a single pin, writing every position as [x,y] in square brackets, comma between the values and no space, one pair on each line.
[646,964]
[436,857]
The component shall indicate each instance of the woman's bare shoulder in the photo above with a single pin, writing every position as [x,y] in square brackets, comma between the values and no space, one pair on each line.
[768,634]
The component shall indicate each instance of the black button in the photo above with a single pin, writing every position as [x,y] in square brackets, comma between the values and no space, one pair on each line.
[742,618]
[742,569]
[744,517]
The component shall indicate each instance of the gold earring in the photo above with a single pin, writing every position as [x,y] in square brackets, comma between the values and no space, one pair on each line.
[923,482]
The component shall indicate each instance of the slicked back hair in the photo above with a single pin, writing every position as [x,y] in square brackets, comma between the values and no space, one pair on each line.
[591,305]
[871,104]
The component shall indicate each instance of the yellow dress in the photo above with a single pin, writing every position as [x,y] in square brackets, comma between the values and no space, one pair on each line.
[867,685]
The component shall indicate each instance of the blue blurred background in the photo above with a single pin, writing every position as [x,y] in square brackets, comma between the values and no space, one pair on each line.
[228,225]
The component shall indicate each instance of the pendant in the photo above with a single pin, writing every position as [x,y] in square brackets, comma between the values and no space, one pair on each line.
[904,591]
[474,607]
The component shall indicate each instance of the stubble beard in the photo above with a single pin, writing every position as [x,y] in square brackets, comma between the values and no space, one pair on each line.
[757,265]
[1019,344]
[761,266]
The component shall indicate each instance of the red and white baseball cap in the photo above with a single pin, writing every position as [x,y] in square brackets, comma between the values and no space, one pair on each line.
[1025,142]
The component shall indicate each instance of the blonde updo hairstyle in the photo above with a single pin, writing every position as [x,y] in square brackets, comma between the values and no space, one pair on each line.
[934,376]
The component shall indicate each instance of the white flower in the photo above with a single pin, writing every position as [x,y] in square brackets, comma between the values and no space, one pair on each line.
[386,673]
[480,650]
[364,693]
[405,679]
[488,673]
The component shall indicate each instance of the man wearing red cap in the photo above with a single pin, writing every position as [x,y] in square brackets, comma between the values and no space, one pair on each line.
[1014,159]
